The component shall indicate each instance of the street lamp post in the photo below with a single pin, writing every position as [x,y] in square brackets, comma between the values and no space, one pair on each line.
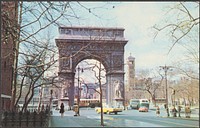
[78,100]
[174,96]
[50,106]
[166,68]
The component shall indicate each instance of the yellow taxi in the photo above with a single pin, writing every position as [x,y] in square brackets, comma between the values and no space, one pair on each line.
[108,110]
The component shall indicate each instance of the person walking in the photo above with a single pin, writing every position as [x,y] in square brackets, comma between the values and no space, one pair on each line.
[174,111]
[42,107]
[158,111]
[187,111]
[179,111]
[62,109]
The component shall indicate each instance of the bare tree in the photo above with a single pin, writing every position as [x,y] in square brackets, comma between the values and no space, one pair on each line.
[182,27]
[150,83]
[36,63]
[98,70]
[32,19]
[41,14]
[187,89]
[190,72]
[185,23]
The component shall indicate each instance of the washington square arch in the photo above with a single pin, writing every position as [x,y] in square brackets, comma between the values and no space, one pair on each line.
[106,45]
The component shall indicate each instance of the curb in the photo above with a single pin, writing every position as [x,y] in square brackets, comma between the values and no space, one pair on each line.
[183,118]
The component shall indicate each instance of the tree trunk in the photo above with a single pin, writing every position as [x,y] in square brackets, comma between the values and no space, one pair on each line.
[24,108]
[102,123]
[39,104]
[20,91]
[14,79]
[15,63]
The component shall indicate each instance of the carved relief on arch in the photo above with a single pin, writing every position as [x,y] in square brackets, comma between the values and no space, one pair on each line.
[65,62]
[117,62]
[66,47]
[118,89]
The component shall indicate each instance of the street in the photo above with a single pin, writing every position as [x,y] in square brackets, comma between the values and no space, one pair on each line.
[127,118]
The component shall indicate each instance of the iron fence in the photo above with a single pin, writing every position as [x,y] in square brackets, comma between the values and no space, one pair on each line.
[25,119]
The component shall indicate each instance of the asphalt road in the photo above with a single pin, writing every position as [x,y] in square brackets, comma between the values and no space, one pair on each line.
[127,118]
[149,119]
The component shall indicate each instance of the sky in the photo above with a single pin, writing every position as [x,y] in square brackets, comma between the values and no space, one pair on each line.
[137,18]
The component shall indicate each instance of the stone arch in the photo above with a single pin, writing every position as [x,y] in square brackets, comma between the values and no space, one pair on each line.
[102,60]
[103,44]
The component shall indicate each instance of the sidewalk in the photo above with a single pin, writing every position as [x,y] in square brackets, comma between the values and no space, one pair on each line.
[72,121]
[183,118]
[69,120]
[194,115]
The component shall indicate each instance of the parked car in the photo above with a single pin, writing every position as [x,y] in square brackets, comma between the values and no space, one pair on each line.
[143,109]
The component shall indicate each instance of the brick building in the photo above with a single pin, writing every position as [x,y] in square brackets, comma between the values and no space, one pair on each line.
[8,24]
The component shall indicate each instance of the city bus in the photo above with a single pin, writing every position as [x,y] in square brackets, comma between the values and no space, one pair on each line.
[134,103]
[89,103]
[144,102]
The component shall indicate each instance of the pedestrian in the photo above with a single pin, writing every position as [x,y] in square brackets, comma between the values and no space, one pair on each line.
[174,111]
[187,111]
[47,107]
[75,109]
[179,111]
[62,109]
[42,107]
[158,111]
[165,106]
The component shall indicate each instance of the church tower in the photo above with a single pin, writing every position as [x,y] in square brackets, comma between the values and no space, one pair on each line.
[131,77]
[131,71]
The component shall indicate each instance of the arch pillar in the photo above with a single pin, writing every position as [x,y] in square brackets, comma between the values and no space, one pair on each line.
[67,88]
[112,78]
